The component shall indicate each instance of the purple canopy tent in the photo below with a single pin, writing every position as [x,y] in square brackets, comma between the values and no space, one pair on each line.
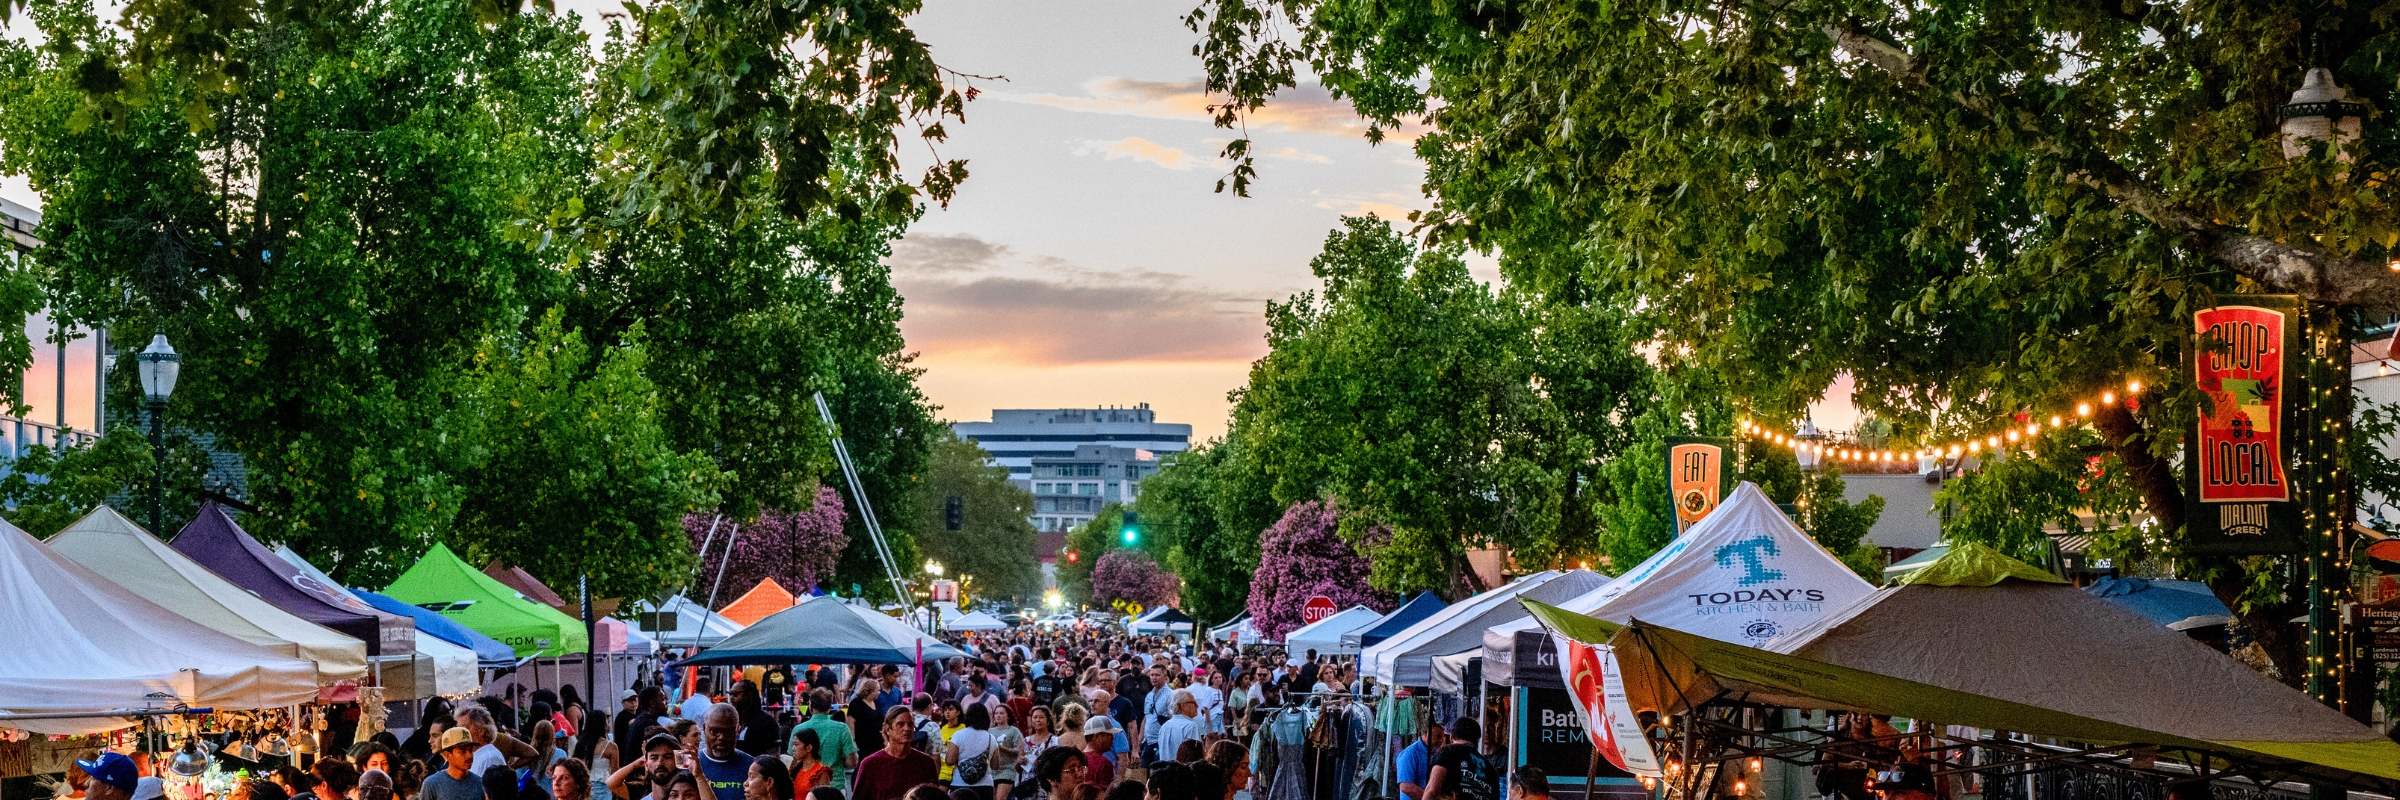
[222,546]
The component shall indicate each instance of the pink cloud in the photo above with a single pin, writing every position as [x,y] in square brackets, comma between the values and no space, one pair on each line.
[1061,314]
[1306,109]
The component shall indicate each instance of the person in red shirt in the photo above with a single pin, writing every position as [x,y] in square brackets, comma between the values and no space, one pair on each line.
[1099,736]
[889,773]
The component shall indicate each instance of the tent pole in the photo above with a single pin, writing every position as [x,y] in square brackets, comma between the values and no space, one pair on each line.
[591,642]
[722,560]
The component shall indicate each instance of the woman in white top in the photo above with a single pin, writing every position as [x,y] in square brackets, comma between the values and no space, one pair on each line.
[969,752]
[1040,735]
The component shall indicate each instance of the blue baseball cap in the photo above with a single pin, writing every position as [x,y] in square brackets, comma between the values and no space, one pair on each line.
[113,769]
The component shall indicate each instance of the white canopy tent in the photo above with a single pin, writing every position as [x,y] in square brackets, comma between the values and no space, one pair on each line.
[112,545]
[436,668]
[1745,575]
[694,624]
[1406,659]
[974,621]
[79,643]
[1241,629]
[1161,620]
[1325,635]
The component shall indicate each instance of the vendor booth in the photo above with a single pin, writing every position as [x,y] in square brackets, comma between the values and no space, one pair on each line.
[1238,631]
[1425,604]
[1160,621]
[1745,574]
[680,623]
[216,542]
[443,583]
[489,652]
[80,644]
[438,667]
[1325,635]
[1971,645]
[759,603]
[1406,659]
[974,621]
[825,630]
[112,545]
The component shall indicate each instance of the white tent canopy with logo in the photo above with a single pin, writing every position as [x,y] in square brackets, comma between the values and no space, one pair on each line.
[1325,635]
[694,624]
[1744,575]
[1406,659]
[80,643]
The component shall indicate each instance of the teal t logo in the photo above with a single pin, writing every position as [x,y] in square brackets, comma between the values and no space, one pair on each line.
[1753,554]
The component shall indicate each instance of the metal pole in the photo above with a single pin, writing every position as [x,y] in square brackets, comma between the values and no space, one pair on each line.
[158,473]
[866,510]
[591,646]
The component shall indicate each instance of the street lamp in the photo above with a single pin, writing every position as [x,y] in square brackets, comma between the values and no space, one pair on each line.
[157,366]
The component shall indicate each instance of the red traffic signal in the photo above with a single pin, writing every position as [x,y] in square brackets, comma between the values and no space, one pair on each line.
[1071,556]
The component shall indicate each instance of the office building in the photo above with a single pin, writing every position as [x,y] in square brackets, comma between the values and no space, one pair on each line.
[1017,436]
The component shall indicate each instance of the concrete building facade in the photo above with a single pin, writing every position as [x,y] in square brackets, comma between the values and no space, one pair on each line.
[1017,436]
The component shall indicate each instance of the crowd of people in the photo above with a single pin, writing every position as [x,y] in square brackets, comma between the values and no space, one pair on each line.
[1033,714]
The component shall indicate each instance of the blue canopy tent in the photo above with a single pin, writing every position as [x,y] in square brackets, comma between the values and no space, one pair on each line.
[489,652]
[825,630]
[2179,605]
[1410,613]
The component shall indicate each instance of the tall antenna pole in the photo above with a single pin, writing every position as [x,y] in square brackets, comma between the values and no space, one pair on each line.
[866,510]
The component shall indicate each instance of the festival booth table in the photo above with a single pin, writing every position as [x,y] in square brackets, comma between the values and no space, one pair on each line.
[112,545]
[79,643]
[1406,659]
[975,621]
[1983,641]
[1425,604]
[825,630]
[1325,635]
[1161,621]
[443,583]
[681,623]
[213,540]
[759,603]
[1745,574]
[437,668]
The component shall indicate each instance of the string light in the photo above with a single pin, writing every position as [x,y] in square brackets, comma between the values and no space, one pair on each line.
[2013,435]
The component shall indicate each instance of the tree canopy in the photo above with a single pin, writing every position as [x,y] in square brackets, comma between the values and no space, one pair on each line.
[994,542]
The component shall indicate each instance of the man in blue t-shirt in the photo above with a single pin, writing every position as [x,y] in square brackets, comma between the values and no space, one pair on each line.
[722,766]
[1415,761]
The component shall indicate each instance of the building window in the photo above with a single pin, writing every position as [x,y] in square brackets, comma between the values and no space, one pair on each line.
[1041,488]
[1045,504]
[1092,489]
[1087,470]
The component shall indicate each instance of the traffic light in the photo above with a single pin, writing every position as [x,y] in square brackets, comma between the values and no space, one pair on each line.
[1071,557]
[954,512]
[1132,527]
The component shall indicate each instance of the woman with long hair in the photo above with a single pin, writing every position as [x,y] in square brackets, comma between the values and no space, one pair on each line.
[570,779]
[769,779]
[594,748]
[1040,735]
[1070,726]
[1008,750]
[968,751]
[866,726]
[807,757]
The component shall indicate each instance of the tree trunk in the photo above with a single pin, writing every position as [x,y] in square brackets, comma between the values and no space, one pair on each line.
[2269,624]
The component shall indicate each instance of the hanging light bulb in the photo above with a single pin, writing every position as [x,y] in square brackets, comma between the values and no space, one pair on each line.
[2054,421]
[2133,388]
[1994,441]
[1757,763]
[2012,434]
[2083,409]
[2033,429]
[1973,447]
[2107,398]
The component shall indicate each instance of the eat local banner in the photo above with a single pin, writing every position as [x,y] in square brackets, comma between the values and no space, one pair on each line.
[1598,691]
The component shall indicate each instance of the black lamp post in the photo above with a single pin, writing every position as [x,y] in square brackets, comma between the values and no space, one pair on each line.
[158,365]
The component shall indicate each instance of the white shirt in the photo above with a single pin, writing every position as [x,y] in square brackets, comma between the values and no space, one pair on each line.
[1212,705]
[1177,730]
[694,707]
[971,743]
[487,757]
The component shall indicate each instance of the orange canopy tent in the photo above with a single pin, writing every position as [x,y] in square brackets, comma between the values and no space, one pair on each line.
[759,603]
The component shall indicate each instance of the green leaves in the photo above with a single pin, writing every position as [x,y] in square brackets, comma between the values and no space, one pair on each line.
[995,540]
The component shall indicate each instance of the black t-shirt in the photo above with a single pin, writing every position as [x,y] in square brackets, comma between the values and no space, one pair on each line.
[1132,687]
[760,735]
[1473,775]
[1307,679]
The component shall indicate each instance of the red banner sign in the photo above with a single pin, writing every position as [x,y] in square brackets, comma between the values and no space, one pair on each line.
[2241,447]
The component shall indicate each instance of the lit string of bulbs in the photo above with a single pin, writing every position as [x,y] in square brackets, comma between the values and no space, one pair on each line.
[2012,436]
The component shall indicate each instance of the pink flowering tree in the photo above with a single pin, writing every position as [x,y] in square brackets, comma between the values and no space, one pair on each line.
[796,548]
[1302,556]
[1131,576]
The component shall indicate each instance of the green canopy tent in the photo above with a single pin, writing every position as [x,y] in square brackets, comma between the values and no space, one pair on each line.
[442,582]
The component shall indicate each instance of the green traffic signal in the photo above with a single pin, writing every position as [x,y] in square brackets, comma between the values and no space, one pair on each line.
[1132,529]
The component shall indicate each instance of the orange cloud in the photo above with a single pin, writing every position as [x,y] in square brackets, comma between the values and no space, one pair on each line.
[958,307]
[1305,109]
[1140,149]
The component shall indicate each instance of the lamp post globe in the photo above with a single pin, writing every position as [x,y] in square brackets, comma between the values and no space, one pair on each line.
[158,366]
[2320,110]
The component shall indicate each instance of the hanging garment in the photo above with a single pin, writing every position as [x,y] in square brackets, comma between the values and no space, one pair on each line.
[1288,732]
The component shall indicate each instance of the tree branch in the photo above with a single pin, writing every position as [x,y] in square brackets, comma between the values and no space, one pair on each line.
[2320,275]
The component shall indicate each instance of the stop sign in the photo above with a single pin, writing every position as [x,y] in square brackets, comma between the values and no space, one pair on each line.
[1316,609]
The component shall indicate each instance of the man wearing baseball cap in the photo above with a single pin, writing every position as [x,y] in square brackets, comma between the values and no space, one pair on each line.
[1099,737]
[457,779]
[113,777]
